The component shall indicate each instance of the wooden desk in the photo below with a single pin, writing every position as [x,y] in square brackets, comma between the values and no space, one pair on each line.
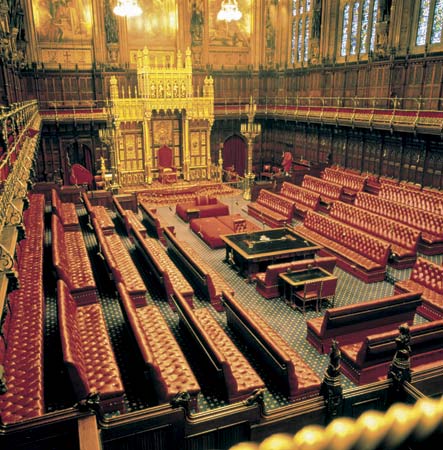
[295,281]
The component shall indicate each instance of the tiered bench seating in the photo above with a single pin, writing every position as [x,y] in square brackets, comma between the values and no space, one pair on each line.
[359,253]
[201,206]
[99,213]
[368,361]
[66,211]
[22,327]
[427,277]
[416,198]
[222,361]
[154,222]
[293,375]
[272,209]
[403,238]
[162,267]
[204,276]
[120,264]
[304,199]
[211,228]
[430,225]
[166,366]
[128,218]
[71,262]
[351,182]
[268,283]
[87,351]
[352,323]
[329,192]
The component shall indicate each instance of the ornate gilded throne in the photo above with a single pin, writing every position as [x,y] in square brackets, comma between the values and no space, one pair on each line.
[167,173]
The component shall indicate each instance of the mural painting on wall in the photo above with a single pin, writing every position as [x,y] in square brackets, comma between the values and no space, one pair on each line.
[63,21]
[156,27]
[236,33]
[197,21]
[271,23]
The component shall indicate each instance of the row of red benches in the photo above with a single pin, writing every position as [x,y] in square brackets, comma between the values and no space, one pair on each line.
[329,192]
[359,253]
[66,212]
[351,182]
[403,238]
[154,222]
[430,225]
[304,199]
[427,277]
[22,327]
[272,209]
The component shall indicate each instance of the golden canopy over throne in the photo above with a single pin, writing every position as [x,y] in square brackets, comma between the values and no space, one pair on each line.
[167,173]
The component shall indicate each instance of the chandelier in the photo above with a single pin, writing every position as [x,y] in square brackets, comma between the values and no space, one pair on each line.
[127,8]
[229,11]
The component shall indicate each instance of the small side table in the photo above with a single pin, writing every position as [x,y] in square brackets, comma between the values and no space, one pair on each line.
[192,213]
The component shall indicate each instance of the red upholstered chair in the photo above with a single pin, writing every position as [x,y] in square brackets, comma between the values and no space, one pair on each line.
[267,172]
[80,176]
[310,294]
[167,171]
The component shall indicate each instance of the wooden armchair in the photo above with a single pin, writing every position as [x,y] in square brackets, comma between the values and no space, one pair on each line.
[167,173]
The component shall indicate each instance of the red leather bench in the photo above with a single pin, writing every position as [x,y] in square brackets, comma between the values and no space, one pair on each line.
[272,209]
[205,277]
[225,365]
[163,269]
[71,261]
[268,283]
[22,327]
[304,199]
[66,212]
[403,238]
[154,222]
[296,378]
[351,182]
[121,265]
[329,192]
[426,277]
[168,369]
[351,323]
[87,351]
[367,361]
[201,206]
[358,253]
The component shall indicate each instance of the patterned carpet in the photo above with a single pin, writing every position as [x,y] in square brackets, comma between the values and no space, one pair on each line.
[290,323]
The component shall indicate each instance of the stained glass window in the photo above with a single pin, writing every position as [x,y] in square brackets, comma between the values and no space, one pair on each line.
[374,19]
[354,28]
[437,23]
[364,26]
[423,19]
[301,12]
[344,40]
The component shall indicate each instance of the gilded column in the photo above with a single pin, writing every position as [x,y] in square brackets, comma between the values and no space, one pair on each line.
[147,146]
[208,150]
[115,151]
[186,155]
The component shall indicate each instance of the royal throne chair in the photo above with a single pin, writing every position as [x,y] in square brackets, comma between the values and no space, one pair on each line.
[167,173]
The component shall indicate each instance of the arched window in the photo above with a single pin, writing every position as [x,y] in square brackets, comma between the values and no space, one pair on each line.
[358,27]
[301,15]
[430,22]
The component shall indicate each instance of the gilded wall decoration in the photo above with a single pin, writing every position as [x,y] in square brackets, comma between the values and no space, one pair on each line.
[271,23]
[230,34]
[63,21]
[162,132]
[156,27]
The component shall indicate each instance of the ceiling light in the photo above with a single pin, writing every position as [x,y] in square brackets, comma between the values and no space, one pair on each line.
[127,8]
[229,11]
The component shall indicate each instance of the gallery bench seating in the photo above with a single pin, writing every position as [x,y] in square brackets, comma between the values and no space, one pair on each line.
[268,283]
[205,277]
[430,224]
[66,211]
[351,323]
[293,375]
[167,368]
[22,327]
[368,360]
[120,264]
[87,351]
[304,199]
[99,213]
[329,192]
[351,182]
[272,209]
[359,253]
[154,222]
[427,277]
[163,268]
[128,218]
[416,198]
[403,238]
[71,261]
[223,363]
